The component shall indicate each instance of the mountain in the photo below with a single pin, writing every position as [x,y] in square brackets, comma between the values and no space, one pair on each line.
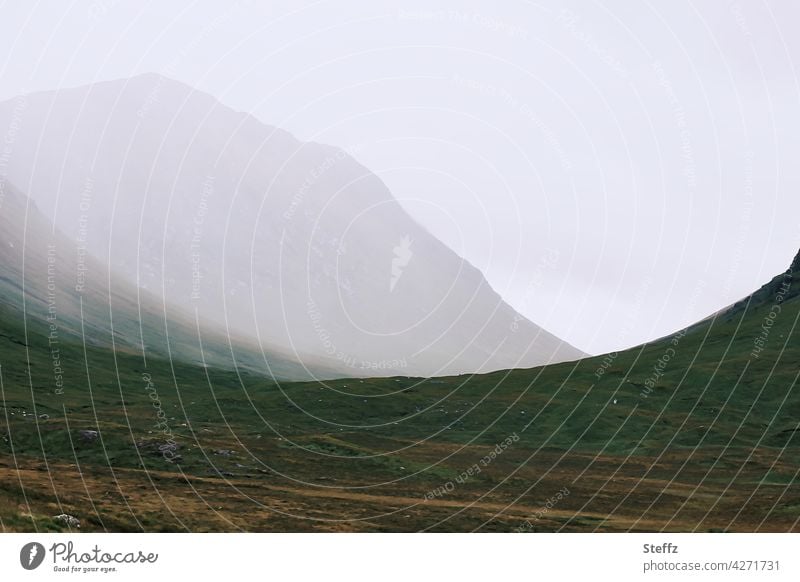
[293,244]
[697,432]
[49,281]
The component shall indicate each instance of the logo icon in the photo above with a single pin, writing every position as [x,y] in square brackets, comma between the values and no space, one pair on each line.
[32,555]
[402,256]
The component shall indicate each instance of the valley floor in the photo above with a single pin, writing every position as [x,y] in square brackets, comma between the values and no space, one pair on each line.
[709,490]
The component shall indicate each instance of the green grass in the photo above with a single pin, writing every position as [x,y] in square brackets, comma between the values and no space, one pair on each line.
[715,410]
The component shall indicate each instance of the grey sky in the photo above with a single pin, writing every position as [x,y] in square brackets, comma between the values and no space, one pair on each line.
[616,169]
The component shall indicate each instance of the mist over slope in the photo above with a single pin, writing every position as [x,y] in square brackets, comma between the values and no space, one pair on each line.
[50,282]
[294,244]
[696,432]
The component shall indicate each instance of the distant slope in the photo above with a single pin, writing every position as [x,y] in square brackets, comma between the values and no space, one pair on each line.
[295,244]
[46,277]
[730,380]
[695,432]
[781,288]
[785,287]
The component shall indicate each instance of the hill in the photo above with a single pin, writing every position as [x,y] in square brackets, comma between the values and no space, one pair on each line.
[48,280]
[694,432]
[292,244]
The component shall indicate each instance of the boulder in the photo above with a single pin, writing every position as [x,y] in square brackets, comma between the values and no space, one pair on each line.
[67,520]
[89,436]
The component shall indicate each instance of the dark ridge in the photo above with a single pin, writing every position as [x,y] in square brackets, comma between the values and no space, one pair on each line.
[782,288]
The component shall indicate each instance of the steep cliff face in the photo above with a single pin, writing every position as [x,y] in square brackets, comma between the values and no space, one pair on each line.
[294,244]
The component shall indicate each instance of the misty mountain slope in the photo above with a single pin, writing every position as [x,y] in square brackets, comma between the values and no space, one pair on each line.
[295,244]
[49,279]
[695,432]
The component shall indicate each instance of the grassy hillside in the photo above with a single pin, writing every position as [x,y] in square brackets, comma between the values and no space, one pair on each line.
[49,277]
[698,431]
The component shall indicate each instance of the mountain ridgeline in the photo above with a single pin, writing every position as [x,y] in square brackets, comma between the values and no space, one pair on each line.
[782,288]
[294,245]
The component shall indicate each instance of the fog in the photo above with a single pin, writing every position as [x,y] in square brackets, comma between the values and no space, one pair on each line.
[616,170]
[292,244]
